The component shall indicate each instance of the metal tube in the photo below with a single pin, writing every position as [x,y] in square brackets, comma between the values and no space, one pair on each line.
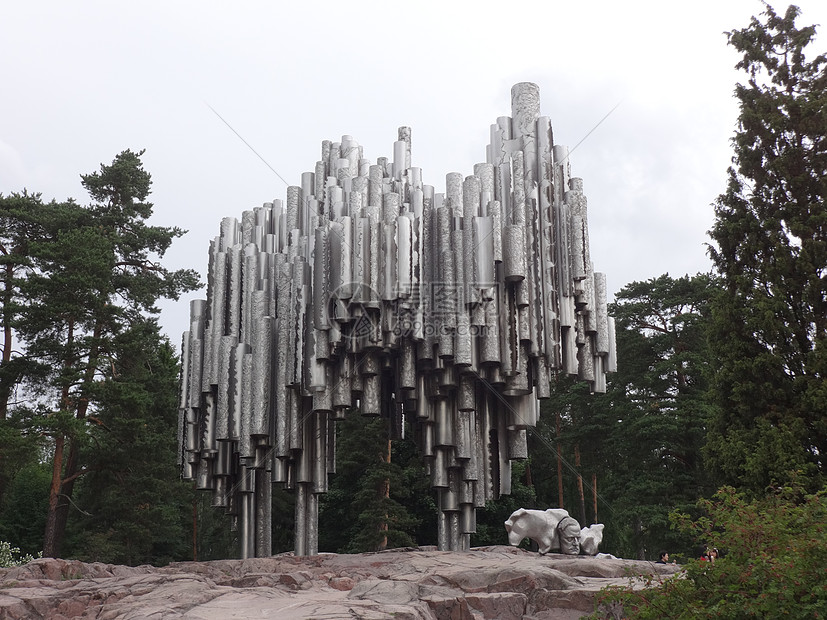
[366,287]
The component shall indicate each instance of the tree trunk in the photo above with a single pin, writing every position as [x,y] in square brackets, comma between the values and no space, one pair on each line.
[641,548]
[594,497]
[51,542]
[6,383]
[60,515]
[580,484]
[53,536]
[386,493]
[70,474]
[194,528]
[529,480]
[559,467]
[63,478]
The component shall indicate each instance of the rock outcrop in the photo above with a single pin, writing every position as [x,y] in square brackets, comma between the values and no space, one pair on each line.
[406,584]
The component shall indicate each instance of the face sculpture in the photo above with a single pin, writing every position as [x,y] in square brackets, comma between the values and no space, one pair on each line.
[569,532]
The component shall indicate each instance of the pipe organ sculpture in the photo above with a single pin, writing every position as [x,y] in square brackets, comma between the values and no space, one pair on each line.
[365,292]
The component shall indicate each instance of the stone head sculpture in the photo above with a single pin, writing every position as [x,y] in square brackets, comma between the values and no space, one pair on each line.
[568,536]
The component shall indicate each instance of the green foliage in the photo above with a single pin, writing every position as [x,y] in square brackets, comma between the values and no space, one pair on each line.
[641,441]
[135,508]
[216,538]
[283,516]
[79,290]
[770,234]
[20,447]
[491,519]
[372,500]
[773,550]
[419,498]
[21,222]
[23,509]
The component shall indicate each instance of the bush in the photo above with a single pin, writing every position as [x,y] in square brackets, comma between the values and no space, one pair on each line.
[772,564]
[10,556]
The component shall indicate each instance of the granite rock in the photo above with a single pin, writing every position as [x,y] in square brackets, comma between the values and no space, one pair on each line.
[500,582]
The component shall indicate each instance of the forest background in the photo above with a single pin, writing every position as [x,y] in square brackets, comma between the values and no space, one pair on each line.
[720,382]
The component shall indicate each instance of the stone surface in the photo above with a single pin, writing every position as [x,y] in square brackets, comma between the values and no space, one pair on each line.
[410,584]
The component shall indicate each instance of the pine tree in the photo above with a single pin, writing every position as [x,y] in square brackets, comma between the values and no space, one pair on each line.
[91,274]
[660,398]
[27,225]
[136,510]
[641,441]
[19,226]
[770,249]
[369,505]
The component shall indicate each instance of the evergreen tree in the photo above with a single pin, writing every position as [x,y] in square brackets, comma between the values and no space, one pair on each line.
[23,509]
[136,510]
[24,220]
[367,505]
[20,224]
[214,535]
[283,519]
[641,441]
[770,248]
[661,395]
[491,519]
[21,447]
[83,278]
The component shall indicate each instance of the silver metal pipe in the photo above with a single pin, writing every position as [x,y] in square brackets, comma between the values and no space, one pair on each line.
[365,287]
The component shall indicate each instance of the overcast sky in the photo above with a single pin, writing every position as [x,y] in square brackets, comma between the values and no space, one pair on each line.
[82,81]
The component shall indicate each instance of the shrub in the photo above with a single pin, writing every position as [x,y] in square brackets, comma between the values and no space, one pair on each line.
[10,556]
[772,564]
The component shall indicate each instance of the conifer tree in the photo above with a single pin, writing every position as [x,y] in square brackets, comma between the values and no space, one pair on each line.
[91,274]
[374,495]
[641,441]
[135,507]
[19,226]
[770,249]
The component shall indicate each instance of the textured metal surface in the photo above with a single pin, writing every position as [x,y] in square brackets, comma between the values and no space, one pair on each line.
[368,292]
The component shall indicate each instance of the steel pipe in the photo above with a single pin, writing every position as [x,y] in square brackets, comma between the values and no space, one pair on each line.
[365,288]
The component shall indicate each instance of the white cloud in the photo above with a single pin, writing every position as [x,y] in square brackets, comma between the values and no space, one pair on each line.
[12,171]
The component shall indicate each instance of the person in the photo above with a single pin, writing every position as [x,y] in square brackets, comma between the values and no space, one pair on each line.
[663,558]
[710,555]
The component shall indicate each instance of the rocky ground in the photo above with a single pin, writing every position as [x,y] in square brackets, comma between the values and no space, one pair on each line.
[491,582]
